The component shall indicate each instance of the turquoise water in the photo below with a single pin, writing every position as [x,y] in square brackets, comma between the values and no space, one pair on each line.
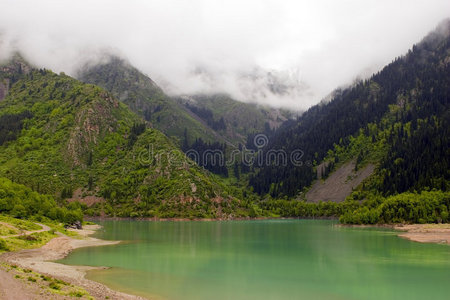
[270,259]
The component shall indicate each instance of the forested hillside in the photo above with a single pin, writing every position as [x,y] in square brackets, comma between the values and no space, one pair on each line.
[77,142]
[398,118]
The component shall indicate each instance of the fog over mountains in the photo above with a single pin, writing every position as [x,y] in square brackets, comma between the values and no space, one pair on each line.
[289,54]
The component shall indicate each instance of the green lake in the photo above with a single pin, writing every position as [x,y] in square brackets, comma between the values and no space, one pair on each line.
[269,259]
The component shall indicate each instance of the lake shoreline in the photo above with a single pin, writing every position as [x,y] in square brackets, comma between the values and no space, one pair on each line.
[421,233]
[425,233]
[99,218]
[42,260]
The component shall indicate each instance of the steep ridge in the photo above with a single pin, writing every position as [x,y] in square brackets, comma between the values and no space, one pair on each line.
[144,97]
[401,114]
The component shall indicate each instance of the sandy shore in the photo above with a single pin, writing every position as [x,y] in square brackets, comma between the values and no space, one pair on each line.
[426,233]
[40,260]
[422,233]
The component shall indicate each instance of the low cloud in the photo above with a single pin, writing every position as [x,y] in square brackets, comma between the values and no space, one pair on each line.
[287,53]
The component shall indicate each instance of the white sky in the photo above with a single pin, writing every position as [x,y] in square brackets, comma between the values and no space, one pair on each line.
[315,46]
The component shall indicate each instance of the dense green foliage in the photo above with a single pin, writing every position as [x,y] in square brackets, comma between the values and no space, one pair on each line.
[20,201]
[302,209]
[419,159]
[211,156]
[68,120]
[11,125]
[426,207]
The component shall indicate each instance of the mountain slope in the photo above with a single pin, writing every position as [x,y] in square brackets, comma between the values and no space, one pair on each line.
[233,119]
[145,98]
[400,116]
[76,140]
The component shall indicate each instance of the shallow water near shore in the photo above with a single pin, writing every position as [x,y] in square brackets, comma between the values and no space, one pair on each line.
[267,259]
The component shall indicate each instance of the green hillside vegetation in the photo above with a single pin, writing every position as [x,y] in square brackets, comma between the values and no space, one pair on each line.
[83,146]
[398,120]
[76,141]
[21,202]
[20,208]
[426,207]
